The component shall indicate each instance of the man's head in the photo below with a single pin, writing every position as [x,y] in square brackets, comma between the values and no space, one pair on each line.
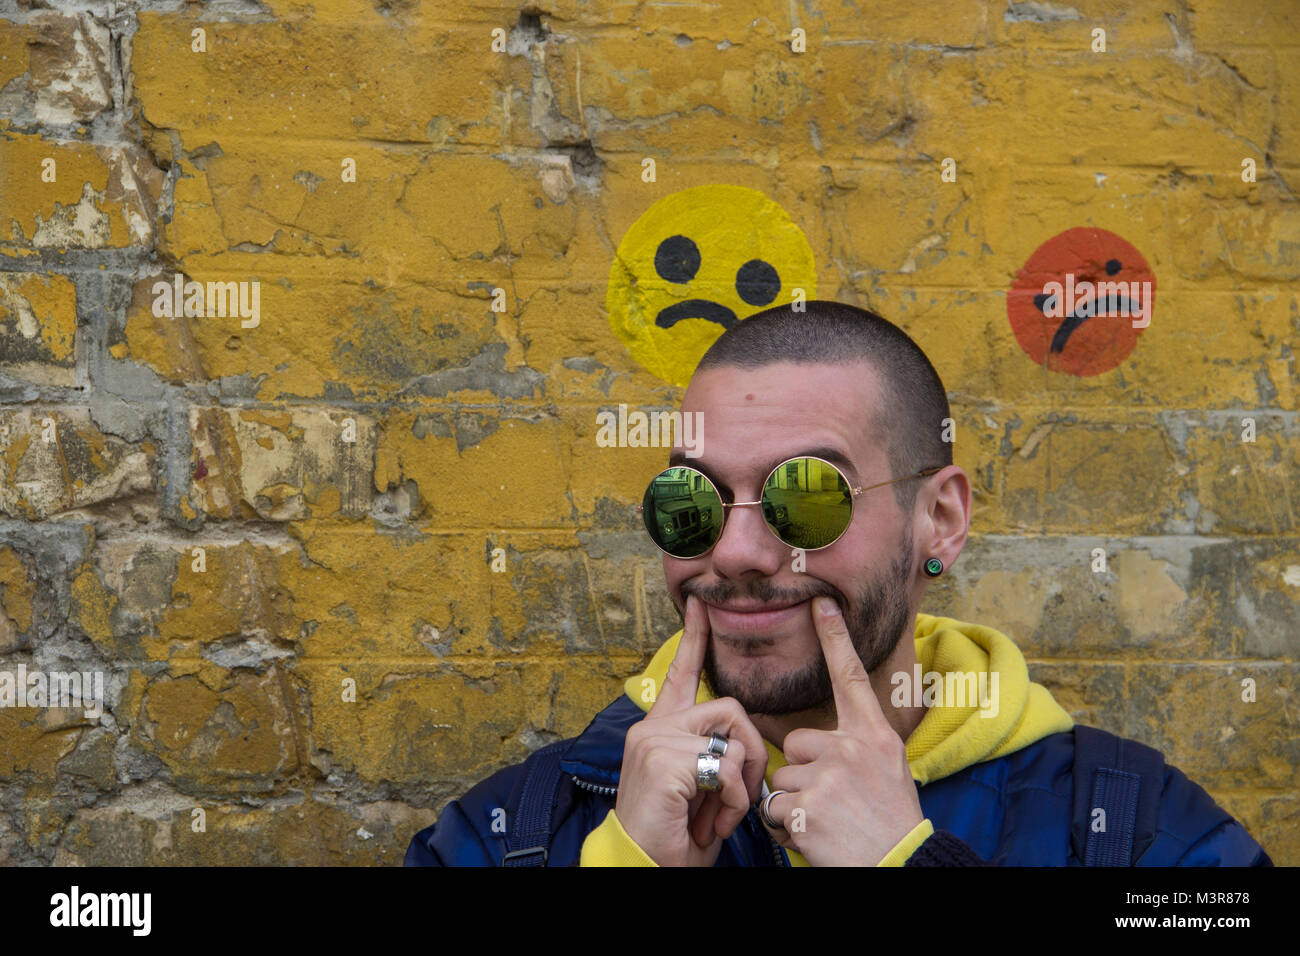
[843,384]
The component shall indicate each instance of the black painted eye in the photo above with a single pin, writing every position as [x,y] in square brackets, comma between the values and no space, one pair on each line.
[677,259]
[757,282]
[1112,267]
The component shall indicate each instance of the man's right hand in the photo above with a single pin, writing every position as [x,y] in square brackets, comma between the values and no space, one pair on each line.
[659,801]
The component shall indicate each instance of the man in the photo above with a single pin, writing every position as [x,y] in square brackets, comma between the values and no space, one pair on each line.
[785,724]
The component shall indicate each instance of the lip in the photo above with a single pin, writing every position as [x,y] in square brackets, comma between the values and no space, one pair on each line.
[761,620]
[695,309]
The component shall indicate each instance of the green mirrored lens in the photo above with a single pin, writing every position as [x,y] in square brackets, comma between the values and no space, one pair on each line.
[807,503]
[682,512]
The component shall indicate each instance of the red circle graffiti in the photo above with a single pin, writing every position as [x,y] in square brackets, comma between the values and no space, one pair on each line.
[1064,329]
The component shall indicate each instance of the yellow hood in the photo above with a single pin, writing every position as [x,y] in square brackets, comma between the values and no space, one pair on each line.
[948,738]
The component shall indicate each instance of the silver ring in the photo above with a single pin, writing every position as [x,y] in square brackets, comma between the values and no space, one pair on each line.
[717,745]
[707,767]
[766,814]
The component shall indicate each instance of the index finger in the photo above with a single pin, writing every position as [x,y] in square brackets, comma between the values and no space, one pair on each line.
[855,701]
[682,682]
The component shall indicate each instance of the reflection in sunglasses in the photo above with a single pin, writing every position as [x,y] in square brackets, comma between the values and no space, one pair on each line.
[806,502]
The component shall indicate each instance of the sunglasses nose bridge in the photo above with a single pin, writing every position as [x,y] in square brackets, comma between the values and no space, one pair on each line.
[747,504]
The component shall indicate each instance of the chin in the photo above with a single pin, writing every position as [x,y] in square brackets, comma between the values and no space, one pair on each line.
[754,667]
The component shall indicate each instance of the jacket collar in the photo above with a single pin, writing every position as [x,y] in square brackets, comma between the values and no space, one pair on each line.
[597,754]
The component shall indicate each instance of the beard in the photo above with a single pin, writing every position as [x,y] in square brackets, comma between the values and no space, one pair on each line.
[876,621]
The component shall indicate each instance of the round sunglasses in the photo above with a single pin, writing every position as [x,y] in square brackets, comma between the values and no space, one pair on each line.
[807,503]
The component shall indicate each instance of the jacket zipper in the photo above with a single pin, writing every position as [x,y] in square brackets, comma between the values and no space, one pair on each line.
[777,856]
[595,787]
[776,852]
[780,858]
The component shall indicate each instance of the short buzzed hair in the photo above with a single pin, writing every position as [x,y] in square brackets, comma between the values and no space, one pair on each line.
[910,423]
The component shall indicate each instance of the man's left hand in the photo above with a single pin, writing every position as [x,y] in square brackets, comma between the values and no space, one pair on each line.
[851,796]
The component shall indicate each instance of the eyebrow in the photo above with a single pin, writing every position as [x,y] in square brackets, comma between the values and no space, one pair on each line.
[825,452]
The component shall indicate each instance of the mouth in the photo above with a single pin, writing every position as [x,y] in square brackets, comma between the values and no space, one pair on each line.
[740,619]
[1071,323]
[695,309]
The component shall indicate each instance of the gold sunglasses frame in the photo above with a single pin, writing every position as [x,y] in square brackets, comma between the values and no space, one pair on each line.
[722,523]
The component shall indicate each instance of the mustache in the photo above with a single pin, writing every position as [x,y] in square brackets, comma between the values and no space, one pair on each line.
[762,591]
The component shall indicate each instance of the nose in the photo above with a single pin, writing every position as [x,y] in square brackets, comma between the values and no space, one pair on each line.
[747,545]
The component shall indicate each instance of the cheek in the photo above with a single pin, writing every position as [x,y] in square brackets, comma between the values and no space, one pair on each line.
[675,574]
[672,575]
[870,543]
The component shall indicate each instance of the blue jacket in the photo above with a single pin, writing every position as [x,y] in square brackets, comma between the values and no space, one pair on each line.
[1012,811]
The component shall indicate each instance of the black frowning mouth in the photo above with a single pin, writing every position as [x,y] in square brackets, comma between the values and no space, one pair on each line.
[1066,329]
[695,309]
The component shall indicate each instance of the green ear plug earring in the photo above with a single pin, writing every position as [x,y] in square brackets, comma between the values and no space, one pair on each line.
[934,567]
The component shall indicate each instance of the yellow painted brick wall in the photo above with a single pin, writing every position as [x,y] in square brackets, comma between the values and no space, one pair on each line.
[233,519]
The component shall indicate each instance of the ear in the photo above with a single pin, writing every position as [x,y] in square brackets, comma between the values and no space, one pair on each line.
[947,515]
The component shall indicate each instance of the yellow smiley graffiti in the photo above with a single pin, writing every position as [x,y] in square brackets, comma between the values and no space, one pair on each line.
[696,263]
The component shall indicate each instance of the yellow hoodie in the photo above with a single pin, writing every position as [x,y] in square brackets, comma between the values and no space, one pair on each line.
[1016,713]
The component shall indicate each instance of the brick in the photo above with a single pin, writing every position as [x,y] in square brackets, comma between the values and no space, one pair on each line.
[221,731]
[1093,693]
[965,24]
[978,450]
[303,830]
[103,197]
[349,81]
[196,599]
[456,725]
[1262,599]
[1194,713]
[461,461]
[1047,200]
[1158,597]
[393,596]
[38,563]
[410,723]
[280,465]
[289,210]
[56,459]
[938,239]
[1240,486]
[565,334]
[1131,28]
[1151,105]
[1069,474]
[1284,147]
[38,328]
[17,594]
[1227,234]
[29,750]
[521,170]
[386,340]
[607,577]
[71,59]
[13,50]
[1228,27]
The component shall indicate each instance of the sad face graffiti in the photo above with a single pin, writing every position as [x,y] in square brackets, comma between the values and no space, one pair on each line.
[694,264]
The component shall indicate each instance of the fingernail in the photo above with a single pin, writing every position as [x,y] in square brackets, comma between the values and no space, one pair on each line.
[826,607]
